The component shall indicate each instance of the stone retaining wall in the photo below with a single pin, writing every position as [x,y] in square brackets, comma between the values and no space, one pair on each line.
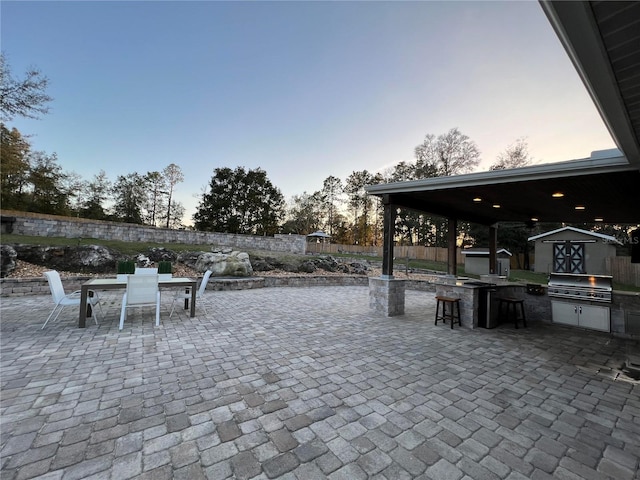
[41,225]
[14,287]
[317,281]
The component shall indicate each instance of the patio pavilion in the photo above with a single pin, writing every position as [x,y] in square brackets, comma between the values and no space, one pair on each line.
[603,42]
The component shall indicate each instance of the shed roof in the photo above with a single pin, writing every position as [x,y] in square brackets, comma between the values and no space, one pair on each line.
[601,236]
[483,251]
[319,234]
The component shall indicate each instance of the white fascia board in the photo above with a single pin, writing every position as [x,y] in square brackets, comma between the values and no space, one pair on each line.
[483,252]
[568,168]
[602,236]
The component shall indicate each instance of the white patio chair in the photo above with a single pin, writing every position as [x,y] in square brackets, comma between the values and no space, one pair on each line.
[142,291]
[186,295]
[146,271]
[62,299]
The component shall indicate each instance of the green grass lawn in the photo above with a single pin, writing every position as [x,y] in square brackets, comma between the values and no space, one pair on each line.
[126,248]
[134,248]
[527,276]
[524,276]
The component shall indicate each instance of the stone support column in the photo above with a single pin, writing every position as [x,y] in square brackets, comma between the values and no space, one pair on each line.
[452,250]
[389,222]
[386,295]
[493,247]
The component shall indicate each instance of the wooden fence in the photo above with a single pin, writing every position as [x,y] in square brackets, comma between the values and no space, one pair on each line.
[621,268]
[434,254]
[623,271]
[517,261]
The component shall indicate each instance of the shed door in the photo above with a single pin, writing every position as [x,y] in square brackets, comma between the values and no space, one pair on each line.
[568,257]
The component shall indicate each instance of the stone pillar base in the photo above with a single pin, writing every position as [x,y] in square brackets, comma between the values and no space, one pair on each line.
[386,295]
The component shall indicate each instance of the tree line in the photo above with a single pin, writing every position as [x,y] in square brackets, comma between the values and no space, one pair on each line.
[346,212]
[34,181]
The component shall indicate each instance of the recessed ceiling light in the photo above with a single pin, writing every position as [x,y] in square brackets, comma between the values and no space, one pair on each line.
[477,199]
[557,195]
[496,205]
[579,207]
[534,219]
[599,219]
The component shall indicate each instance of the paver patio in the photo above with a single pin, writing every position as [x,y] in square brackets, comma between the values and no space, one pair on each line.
[306,383]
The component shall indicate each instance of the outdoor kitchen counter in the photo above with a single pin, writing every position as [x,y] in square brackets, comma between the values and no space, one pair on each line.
[625,313]
[475,296]
[625,306]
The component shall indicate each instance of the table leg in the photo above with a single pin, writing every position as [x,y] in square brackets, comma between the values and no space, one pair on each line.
[186,300]
[193,300]
[89,305]
[82,317]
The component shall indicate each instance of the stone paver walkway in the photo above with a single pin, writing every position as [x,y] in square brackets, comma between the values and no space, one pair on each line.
[309,383]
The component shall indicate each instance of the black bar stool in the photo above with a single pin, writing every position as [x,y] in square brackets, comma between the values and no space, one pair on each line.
[451,314]
[511,312]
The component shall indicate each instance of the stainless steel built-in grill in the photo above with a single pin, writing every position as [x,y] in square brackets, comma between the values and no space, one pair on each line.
[594,288]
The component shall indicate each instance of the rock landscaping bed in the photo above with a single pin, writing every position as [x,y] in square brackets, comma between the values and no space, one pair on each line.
[28,261]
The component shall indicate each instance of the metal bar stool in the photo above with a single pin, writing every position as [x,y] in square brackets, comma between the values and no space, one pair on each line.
[511,312]
[452,314]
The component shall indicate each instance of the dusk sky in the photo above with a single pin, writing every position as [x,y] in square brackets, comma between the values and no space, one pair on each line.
[301,89]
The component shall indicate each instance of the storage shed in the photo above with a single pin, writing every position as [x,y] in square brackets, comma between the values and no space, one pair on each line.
[476,261]
[572,250]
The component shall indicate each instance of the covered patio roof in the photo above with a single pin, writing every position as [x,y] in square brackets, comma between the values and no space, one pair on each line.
[602,39]
[593,190]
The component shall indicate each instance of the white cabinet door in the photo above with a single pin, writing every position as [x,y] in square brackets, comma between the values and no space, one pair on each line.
[564,313]
[594,316]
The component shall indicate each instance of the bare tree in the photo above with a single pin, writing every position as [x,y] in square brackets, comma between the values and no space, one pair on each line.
[361,203]
[304,214]
[331,198]
[156,191]
[24,97]
[451,153]
[516,155]
[173,175]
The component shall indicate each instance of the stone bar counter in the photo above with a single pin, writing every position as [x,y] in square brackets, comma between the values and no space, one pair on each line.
[477,298]
[625,307]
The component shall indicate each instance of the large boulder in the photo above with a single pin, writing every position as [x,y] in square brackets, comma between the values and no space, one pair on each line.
[325,263]
[358,268]
[307,267]
[190,259]
[262,264]
[233,264]
[81,258]
[143,261]
[161,254]
[8,257]
[266,264]
[329,264]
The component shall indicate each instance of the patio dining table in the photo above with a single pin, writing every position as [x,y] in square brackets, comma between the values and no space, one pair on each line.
[115,283]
